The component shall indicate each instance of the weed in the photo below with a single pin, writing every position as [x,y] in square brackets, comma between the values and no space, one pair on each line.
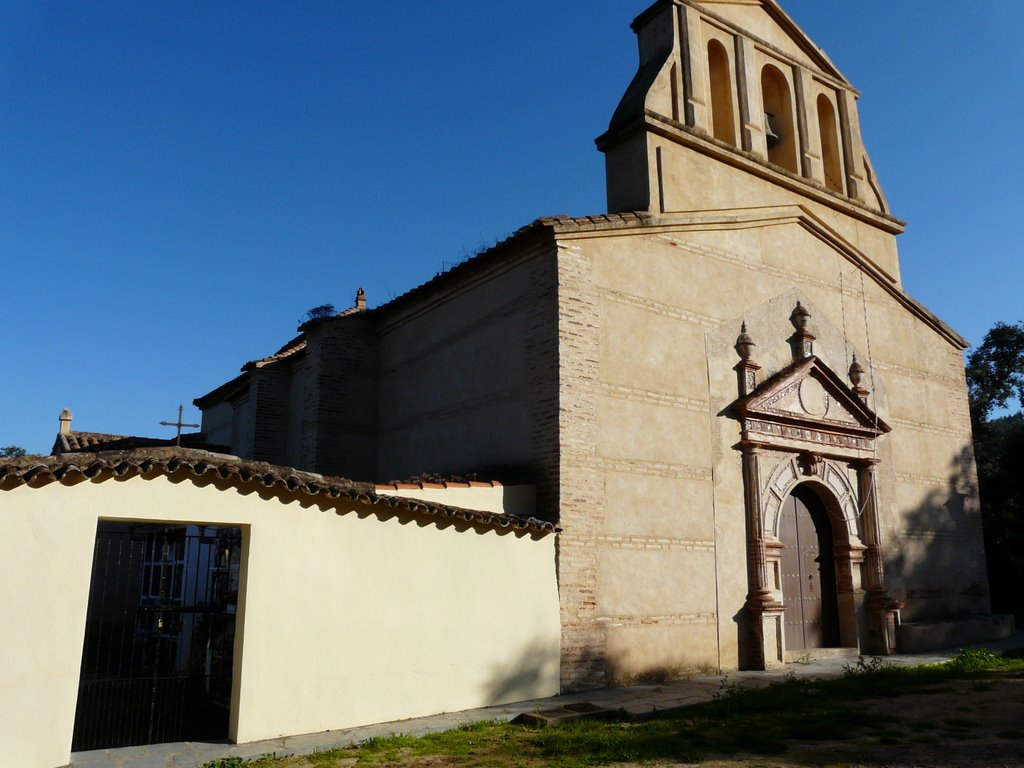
[726,690]
[866,665]
[974,658]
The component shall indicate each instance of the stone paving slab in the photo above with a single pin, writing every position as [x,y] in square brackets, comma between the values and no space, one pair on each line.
[636,700]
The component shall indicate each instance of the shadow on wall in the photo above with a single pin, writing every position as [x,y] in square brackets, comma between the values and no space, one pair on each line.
[531,675]
[938,571]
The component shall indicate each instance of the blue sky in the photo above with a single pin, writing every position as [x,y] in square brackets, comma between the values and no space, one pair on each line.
[180,181]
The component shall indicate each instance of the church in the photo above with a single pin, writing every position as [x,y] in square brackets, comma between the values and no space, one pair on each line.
[755,442]
[705,430]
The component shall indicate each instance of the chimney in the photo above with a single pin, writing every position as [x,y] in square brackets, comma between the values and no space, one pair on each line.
[65,421]
[360,300]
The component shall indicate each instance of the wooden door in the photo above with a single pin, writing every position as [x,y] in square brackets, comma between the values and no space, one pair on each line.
[808,574]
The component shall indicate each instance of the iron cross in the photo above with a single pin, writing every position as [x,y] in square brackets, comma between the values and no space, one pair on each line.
[178,424]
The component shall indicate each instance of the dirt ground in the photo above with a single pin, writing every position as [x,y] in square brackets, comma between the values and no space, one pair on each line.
[964,723]
[972,723]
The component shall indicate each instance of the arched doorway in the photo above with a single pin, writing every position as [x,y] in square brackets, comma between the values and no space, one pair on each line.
[808,573]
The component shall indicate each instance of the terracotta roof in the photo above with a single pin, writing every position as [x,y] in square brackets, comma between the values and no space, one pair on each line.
[552,224]
[289,349]
[293,347]
[537,228]
[149,462]
[93,442]
[419,485]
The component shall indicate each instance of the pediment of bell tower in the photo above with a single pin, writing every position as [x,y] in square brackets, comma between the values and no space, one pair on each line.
[766,22]
[734,90]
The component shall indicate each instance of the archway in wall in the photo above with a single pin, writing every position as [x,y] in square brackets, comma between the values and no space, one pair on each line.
[808,572]
[157,661]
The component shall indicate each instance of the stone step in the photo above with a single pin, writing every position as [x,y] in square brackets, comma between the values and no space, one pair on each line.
[810,654]
[582,710]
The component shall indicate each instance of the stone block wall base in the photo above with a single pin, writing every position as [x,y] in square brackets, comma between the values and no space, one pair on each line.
[918,637]
[881,640]
[769,641]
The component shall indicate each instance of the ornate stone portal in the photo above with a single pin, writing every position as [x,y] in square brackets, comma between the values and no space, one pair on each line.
[805,425]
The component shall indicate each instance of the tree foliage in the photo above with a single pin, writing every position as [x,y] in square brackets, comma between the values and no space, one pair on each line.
[995,371]
[12,452]
[995,377]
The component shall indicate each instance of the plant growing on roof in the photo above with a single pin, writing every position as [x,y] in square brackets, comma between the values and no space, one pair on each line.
[318,313]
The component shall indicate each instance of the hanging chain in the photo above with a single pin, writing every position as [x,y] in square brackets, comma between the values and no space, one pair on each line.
[842,303]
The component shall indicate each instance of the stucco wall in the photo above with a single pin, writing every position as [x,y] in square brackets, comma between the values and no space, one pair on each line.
[653,550]
[345,618]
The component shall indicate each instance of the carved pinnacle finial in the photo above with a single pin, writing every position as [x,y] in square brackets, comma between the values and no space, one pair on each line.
[800,317]
[856,377]
[746,369]
[744,344]
[802,339]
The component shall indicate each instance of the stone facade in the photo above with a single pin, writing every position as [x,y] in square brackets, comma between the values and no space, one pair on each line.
[599,358]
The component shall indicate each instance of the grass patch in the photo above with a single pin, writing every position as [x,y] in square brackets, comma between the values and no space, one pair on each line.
[790,717]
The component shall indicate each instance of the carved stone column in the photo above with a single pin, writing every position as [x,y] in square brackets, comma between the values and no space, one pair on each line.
[882,611]
[765,612]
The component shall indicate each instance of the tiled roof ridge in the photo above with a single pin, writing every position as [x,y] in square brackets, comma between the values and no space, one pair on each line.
[436,484]
[558,223]
[39,471]
[76,441]
[293,347]
[298,344]
[103,436]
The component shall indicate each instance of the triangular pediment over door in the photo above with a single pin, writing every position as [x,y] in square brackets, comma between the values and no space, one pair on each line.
[807,406]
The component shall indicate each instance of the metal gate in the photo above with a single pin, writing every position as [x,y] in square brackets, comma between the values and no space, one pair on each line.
[808,574]
[159,635]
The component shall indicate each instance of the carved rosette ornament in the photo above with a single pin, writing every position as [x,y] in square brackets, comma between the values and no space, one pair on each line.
[805,424]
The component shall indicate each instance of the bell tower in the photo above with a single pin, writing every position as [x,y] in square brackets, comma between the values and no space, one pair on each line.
[733,106]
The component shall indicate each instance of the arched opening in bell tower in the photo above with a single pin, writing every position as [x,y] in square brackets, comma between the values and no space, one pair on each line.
[830,156]
[780,127]
[723,121]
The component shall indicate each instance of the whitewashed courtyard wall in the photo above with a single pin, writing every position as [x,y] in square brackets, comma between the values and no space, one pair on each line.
[347,615]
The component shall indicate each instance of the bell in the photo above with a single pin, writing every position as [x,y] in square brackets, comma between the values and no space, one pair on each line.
[769,131]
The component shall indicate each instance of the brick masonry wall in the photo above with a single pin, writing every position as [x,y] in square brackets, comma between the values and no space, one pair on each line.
[581,501]
[340,417]
[269,401]
[469,376]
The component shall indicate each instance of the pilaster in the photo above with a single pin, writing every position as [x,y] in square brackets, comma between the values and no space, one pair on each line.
[695,73]
[853,146]
[753,138]
[812,153]
[882,611]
